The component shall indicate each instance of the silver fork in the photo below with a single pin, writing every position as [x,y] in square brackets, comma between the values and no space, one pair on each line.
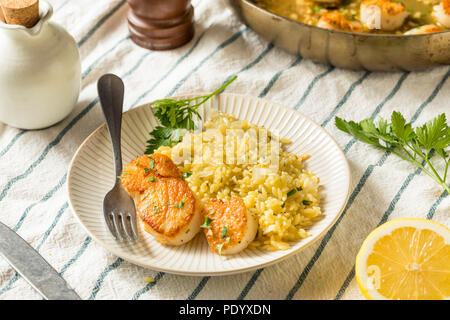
[118,207]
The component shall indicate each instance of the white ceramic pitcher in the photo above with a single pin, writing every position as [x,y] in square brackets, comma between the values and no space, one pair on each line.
[40,73]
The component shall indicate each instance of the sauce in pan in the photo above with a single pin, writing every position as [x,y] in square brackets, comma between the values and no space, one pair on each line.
[369,16]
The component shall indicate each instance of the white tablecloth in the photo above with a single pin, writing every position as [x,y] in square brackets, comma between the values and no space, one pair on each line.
[33,164]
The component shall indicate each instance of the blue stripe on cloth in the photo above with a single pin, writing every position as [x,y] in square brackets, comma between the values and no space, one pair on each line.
[96,62]
[199,288]
[311,86]
[62,5]
[250,284]
[52,226]
[224,44]
[76,256]
[100,23]
[11,143]
[179,61]
[101,278]
[345,98]
[44,238]
[436,204]
[149,285]
[381,105]
[356,191]
[47,196]
[277,75]
[251,64]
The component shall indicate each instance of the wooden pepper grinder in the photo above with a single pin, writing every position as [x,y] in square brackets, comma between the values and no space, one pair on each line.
[161,24]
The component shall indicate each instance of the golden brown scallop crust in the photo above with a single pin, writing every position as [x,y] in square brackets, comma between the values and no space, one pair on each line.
[387,7]
[228,222]
[446,6]
[137,175]
[167,207]
[340,22]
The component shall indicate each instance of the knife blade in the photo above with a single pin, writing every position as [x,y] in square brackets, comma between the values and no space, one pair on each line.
[33,267]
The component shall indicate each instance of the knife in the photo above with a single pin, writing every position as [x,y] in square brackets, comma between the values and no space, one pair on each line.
[33,267]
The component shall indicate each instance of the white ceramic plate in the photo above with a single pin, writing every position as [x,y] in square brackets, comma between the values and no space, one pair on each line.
[91,176]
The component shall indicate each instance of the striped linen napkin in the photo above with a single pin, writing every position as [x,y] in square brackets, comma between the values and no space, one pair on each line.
[33,164]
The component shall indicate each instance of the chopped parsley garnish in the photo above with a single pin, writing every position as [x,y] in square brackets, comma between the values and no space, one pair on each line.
[207,223]
[147,170]
[145,196]
[151,179]
[187,231]
[148,205]
[155,209]
[152,163]
[306,202]
[227,239]
[212,212]
[138,163]
[179,205]
[187,174]
[176,117]
[299,189]
[290,193]
[284,203]
[167,203]
[219,248]
[224,232]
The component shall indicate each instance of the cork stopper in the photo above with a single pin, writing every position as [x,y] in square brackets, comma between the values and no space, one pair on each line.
[20,12]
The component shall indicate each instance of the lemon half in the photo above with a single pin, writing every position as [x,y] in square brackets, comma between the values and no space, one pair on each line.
[405,259]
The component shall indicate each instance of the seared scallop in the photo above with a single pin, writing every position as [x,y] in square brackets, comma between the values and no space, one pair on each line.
[228,225]
[383,14]
[442,13]
[170,211]
[138,174]
[336,20]
[429,28]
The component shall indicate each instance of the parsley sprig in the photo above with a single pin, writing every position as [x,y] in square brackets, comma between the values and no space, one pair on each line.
[176,118]
[417,145]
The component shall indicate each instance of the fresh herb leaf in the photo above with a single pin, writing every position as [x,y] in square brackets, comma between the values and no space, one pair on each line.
[306,202]
[224,232]
[146,170]
[416,145]
[151,179]
[219,248]
[187,174]
[290,193]
[207,222]
[179,205]
[176,118]
[152,163]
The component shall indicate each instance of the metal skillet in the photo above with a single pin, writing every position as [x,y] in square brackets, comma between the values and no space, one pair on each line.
[357,51]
